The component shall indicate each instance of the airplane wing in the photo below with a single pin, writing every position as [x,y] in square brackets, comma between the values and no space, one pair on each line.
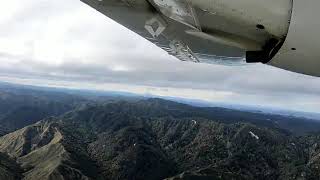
[224,32]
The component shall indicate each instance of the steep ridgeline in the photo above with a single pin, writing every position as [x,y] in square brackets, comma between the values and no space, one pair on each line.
[40,151]
[156,139]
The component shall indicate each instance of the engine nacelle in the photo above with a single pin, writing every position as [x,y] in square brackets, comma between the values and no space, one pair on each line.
[300,50]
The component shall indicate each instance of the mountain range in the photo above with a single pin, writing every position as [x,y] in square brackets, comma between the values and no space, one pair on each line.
[49,135]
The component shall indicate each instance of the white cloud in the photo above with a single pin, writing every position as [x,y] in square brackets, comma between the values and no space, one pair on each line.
[67,43]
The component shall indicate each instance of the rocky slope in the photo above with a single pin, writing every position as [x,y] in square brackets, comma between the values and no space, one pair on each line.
[39,150]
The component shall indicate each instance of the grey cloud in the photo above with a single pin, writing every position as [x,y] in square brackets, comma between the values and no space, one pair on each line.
[113,45]
[248,80]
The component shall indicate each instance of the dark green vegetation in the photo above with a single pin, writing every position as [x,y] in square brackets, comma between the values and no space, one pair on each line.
[68,137]
[22,106]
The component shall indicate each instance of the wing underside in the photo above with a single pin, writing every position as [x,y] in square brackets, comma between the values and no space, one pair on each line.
[210,31]
[181,34]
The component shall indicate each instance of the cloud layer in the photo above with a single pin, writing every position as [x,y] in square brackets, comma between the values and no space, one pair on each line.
[67,41]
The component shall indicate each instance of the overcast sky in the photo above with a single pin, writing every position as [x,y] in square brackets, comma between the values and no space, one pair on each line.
[67,43]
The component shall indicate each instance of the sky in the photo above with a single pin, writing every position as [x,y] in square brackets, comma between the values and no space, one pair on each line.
[68,44]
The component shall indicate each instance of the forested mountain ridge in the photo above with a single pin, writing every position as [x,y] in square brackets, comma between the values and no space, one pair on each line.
[20,107]
[80,138]
[113,141]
